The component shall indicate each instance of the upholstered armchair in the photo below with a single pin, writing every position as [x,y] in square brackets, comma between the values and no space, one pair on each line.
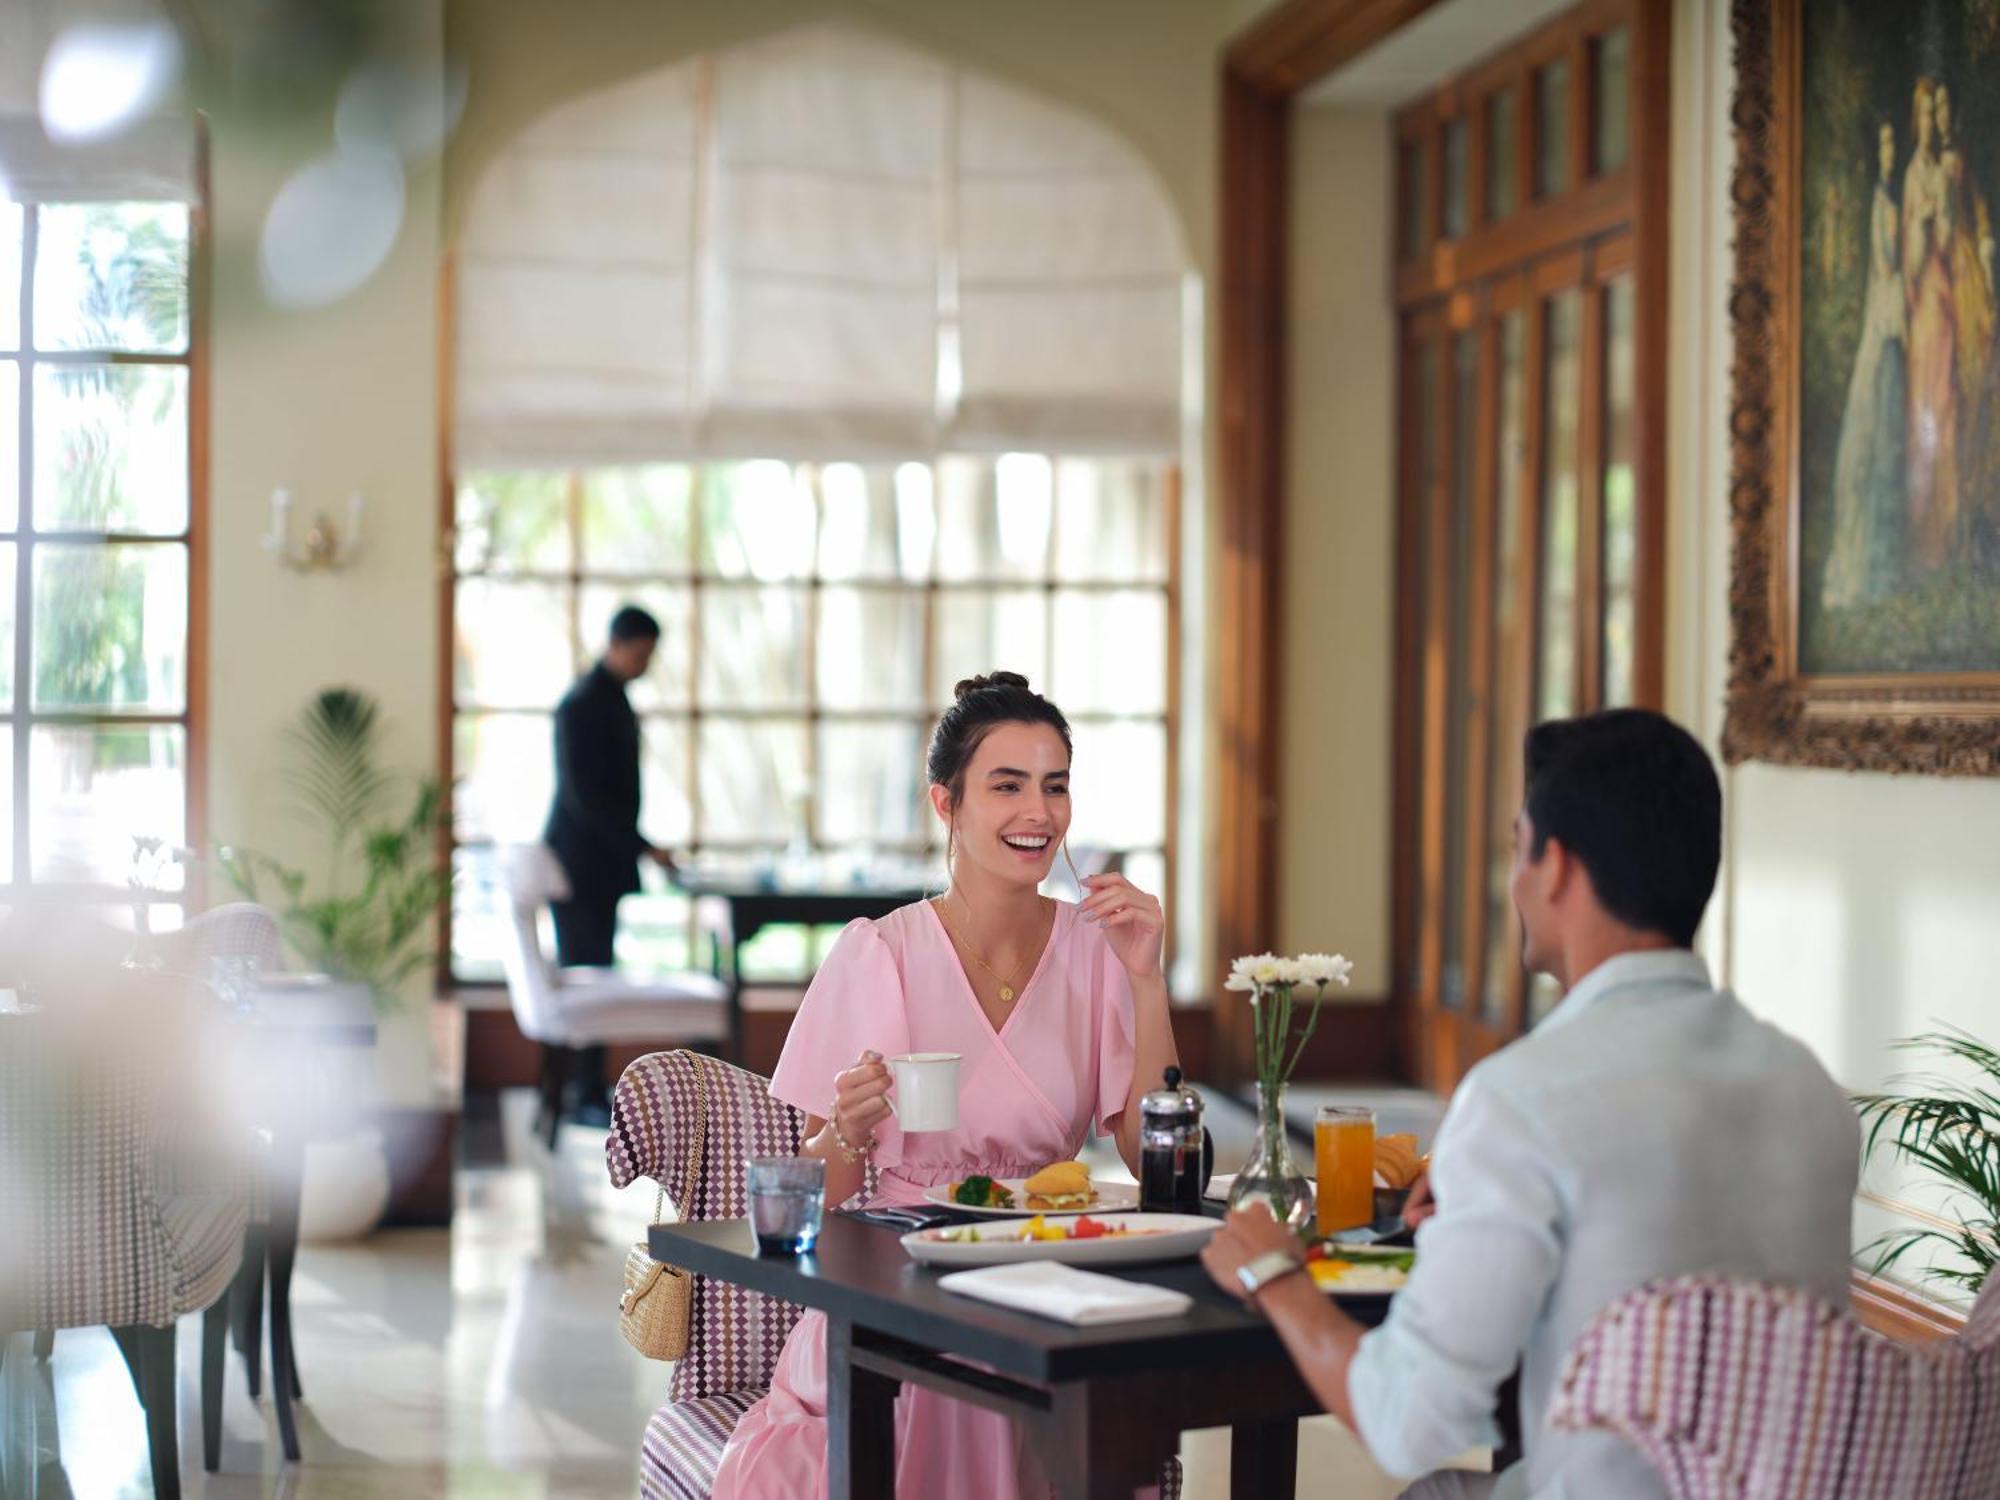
[1738,1390]
[121,1204]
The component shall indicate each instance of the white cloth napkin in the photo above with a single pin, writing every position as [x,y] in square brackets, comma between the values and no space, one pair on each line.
[1066,1294]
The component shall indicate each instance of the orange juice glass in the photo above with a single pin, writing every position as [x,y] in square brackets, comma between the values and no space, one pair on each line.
[1344,1162]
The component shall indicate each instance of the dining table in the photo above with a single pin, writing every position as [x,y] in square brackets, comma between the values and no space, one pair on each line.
[1104,1406]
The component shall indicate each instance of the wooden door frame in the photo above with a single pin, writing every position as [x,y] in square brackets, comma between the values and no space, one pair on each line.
[1265,67]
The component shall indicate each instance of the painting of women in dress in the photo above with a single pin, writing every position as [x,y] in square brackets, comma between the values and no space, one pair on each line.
[1899,414]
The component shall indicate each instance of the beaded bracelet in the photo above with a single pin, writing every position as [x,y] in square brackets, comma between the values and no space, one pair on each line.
[850,1154]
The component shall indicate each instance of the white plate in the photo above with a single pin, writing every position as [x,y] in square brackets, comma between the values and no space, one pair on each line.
[1112,1198]
[1173,1237]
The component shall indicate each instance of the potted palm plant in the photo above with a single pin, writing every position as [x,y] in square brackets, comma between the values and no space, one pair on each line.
[364,923]
[1949,1128]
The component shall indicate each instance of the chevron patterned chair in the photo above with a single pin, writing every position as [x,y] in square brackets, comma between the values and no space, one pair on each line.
[1738,1390]
[734,1335]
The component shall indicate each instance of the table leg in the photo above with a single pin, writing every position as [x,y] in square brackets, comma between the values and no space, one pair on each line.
[1263,1460]
[860,1422]
[736,1054]
[1105,1439]
[287,1165]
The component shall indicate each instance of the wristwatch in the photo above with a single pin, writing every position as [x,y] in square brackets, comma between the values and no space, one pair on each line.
[1261,1270]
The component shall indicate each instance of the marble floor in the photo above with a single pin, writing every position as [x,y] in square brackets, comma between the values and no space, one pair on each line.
[479,1361]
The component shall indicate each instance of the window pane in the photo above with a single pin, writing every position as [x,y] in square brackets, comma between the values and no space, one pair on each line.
[1111,520]
[988,630]
[638,520]
[512,646]
[1552,129]
[993,517]
[876,522]
[1464,422]
[666,807]
[6,810]
[7,562]
[653,932]
[666,682]
[1425,351]
[1562,379]
[11,217]
[479,915]
[111,627]
[1621,518]
[96,789]
[1414,191]
[512,523]
[112,276]
[1111,651]
[1611,58]
[1510,638]
[870,644]
[505,769]
[111,448]
[753,780]
[753,647]
[870,790]
[1118,785]
[10,444]
[1500,155]
[1456,209]
[757,521]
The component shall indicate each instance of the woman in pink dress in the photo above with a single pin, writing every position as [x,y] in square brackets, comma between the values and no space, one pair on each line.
[1060,1014]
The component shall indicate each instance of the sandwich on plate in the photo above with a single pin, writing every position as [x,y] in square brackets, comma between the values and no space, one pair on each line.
[1062,1186]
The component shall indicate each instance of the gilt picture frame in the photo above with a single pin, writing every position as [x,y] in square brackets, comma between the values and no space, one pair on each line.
[1865,386]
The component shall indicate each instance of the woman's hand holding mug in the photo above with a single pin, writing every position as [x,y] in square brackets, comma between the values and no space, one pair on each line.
[861,1097]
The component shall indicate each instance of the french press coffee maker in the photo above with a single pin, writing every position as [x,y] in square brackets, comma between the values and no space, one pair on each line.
[1174,1150]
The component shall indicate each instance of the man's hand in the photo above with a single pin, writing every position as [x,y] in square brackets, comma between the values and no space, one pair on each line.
[1420,1205]
[1245,1234]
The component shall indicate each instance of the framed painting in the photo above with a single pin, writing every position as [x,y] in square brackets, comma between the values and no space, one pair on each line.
[1865,386]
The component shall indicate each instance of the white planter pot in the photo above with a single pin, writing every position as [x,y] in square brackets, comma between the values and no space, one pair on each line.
[346,1188]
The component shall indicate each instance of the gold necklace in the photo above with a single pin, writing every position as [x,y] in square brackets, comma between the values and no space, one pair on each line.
[1006,985]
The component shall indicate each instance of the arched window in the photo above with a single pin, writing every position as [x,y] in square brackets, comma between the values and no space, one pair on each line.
[862,372]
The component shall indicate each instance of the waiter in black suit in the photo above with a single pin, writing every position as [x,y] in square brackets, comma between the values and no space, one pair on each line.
[593,824]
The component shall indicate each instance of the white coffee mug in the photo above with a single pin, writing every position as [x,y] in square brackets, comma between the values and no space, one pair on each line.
[927,1086]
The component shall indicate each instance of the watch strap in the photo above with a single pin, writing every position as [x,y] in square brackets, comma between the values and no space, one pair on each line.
[1261,1270]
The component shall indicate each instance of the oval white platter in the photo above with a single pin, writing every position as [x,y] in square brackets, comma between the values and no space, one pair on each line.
[1112,1198]
[1166,1237]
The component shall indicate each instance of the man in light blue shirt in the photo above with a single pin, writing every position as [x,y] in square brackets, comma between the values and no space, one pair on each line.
[1649,1126]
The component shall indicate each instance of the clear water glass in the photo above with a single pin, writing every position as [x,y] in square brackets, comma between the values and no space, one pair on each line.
[787,1196]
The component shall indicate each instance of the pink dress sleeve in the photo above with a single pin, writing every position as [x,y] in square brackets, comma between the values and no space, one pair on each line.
[855,1003]
[1117,1052]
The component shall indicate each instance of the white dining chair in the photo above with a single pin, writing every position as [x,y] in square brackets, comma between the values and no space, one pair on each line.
[567,1010]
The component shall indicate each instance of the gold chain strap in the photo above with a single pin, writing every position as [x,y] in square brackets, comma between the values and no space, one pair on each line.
[695,1142]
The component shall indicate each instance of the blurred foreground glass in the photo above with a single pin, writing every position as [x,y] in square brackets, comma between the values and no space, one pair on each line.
[787,1195]
[1344,1166]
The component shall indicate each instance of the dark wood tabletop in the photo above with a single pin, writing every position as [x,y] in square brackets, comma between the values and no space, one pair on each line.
[861,1273]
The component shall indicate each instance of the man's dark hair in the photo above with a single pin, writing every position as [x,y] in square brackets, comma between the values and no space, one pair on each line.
[1634,797]
[632,623]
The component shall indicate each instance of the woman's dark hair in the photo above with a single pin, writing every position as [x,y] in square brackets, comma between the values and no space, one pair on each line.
[978,705]
[1634,797]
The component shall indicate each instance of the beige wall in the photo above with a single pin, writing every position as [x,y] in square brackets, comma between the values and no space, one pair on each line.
[322,402]
[1340,553]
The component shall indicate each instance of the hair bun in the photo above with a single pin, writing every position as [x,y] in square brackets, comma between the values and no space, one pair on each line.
[967,686]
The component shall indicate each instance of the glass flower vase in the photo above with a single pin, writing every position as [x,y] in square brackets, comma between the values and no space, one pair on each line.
[1271,1177]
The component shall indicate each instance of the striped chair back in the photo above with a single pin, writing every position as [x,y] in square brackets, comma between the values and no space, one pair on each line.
[735,1334]
[1738,1389]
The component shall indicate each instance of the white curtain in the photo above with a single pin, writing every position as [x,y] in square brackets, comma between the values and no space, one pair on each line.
[822,245]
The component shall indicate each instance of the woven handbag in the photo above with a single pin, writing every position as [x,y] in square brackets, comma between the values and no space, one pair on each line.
[653,1312]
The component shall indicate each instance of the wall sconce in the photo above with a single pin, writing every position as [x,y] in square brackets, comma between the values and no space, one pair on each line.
[327,547]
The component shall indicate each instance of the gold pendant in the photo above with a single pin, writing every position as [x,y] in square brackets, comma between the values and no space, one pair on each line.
[1006,993]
